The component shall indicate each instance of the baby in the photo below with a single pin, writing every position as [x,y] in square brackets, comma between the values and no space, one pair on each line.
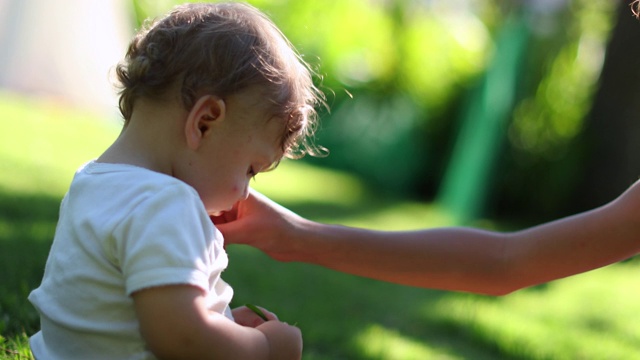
[211,95]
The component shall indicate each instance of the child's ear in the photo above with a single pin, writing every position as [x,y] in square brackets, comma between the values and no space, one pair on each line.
[206,113]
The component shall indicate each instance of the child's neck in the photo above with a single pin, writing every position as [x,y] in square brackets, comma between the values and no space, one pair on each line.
[149,140]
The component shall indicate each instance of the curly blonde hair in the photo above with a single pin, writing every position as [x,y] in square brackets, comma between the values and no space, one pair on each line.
[221,49]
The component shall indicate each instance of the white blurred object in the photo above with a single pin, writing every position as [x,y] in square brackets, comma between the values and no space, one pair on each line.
[64,48]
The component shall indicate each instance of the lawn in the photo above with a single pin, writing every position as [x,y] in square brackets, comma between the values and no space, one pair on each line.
[590,316]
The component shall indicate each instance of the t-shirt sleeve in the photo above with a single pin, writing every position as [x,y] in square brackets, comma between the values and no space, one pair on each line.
[168,239]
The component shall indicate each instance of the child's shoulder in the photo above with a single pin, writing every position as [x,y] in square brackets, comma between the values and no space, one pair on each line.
[98,171]
[112,181]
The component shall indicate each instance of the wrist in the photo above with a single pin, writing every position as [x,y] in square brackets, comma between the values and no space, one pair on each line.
[314,242]
[299,239]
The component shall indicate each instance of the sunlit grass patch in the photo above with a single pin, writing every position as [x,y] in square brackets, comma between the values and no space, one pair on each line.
[328,195]
[400,215]
[16,348]
[586,317]
[42,143]
[297,182]
[378,342]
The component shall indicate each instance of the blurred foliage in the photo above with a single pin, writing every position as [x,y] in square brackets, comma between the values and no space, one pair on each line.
[544,155]
[398,74]
[392,69]
[386,67]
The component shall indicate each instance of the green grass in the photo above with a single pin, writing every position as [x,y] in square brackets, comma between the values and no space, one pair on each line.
[591,316]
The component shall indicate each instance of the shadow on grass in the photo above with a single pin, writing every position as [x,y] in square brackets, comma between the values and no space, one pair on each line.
[27,225]
[335,310]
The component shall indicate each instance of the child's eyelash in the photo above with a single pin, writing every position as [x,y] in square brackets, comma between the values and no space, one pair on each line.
[252,172]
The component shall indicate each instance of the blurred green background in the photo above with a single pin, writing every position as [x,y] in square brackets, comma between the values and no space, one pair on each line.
[489,113]
[492,108]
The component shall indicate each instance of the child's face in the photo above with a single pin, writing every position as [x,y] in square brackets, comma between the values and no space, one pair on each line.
[246,144]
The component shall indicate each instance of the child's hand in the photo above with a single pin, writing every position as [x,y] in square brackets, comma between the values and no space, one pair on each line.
[247,317]
[285,341]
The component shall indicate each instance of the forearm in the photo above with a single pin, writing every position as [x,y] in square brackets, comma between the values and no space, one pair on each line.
[575,244]
[225,339]
[186,329]
[209,336]
[471,260]
[221,338]
[461,259]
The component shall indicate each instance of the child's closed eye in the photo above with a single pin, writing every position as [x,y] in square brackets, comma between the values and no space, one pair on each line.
[252,172]
[255,170]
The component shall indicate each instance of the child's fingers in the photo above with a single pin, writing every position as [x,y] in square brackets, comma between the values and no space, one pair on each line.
[262,312]
[252,316]
[269,314]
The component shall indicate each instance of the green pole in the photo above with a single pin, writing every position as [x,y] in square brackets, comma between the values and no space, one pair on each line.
[468,177]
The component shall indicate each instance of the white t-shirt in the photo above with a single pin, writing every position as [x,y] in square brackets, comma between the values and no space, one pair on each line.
[121,229]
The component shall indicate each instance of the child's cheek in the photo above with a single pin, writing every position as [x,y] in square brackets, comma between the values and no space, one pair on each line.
[240,192]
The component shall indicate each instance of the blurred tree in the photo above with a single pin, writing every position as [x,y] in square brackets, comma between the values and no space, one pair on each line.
[393,68]
[390,69]
[612,134]
[541,163]
[399,74]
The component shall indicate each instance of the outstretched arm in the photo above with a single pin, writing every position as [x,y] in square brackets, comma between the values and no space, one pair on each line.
[461,259]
